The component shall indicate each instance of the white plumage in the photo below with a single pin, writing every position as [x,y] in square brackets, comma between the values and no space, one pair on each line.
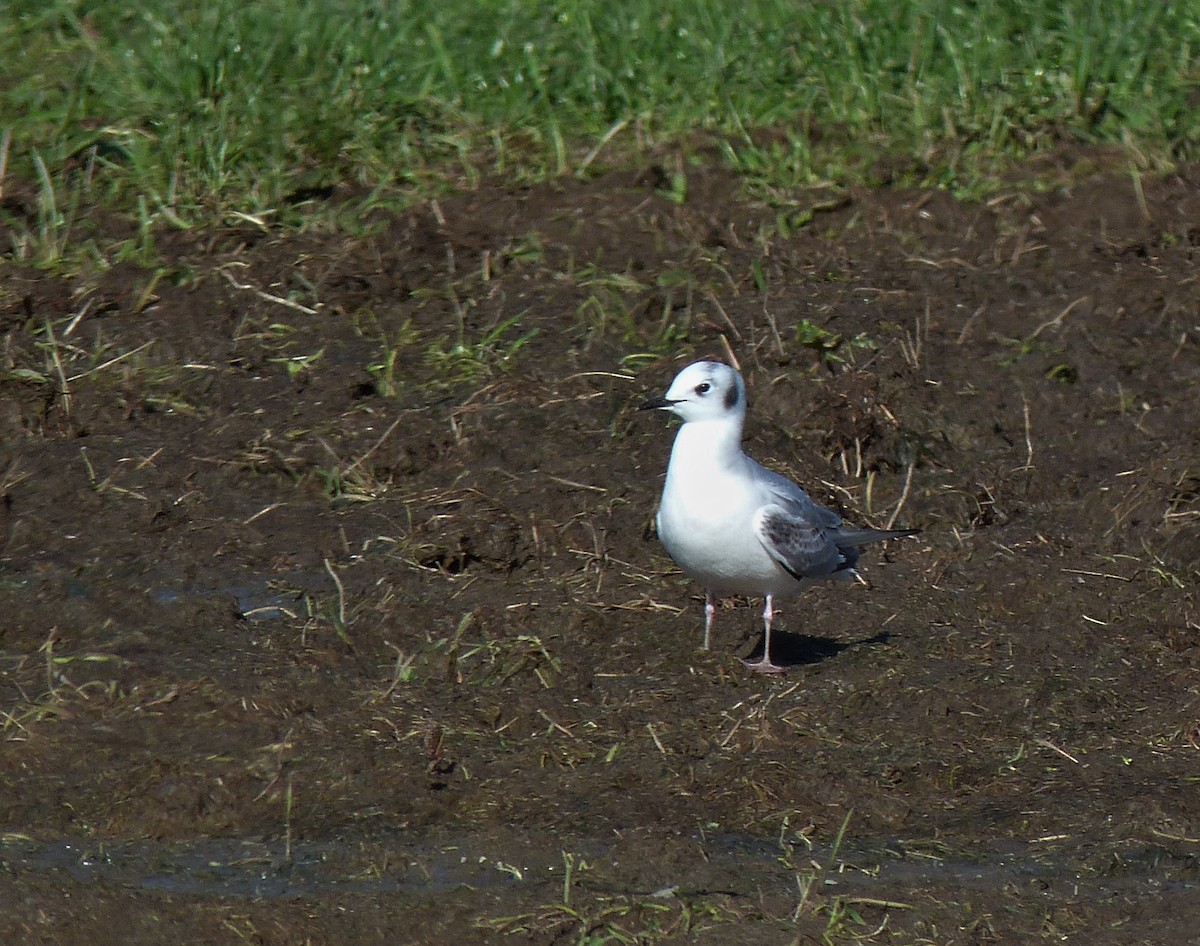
[732,525]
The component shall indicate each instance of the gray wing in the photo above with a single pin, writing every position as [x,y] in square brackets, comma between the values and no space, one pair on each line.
[806,539]
[798,543]
[784,492]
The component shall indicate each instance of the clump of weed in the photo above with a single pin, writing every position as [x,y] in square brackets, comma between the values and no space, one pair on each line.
[832,348]
[462,360]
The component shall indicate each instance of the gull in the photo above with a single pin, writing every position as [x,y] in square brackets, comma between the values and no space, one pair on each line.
[733,526]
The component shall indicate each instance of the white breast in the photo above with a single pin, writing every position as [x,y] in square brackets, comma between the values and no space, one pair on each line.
[706,520]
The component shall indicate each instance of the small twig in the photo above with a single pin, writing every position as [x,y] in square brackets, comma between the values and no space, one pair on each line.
[262,512]
[375,446]
[1139,192]
[1062,752]
[559,726]
[83,310]
[1057,321]
[112,361]
[251,218]
[1174,837]
[913,346]
[875,902]
[48,649]
[774,326]
[341,593]
[725,316]
[908,474]
[279,300]
[5,144]
[58,366]
[1020,247]
[962,336]
[1080,571]
[288,801]
[403,661]
[604,140]
[733,360]
[1028,436]
[573,484]
[599,374]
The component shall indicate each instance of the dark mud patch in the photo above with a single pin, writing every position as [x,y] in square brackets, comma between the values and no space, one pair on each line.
[333,611]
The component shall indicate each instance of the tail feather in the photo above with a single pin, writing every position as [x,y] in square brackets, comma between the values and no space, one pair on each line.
[856,537]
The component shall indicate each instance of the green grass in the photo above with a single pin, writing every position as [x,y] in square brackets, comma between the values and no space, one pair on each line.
[203,110]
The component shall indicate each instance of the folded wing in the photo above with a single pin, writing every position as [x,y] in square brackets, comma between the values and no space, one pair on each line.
[800,546]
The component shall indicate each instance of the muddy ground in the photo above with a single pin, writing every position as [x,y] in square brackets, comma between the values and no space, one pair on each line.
[333,613]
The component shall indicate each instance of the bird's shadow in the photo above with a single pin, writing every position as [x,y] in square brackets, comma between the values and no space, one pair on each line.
[798,650]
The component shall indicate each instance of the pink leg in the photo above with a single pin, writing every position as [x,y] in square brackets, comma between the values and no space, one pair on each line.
[764,665]
[710,612]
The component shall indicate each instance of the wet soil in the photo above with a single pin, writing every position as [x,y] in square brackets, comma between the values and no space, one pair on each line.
[333,612]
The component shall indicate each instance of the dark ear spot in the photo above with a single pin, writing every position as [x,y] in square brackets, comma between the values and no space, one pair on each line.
[731,397]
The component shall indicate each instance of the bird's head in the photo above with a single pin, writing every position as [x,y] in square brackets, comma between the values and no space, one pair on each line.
[704,390]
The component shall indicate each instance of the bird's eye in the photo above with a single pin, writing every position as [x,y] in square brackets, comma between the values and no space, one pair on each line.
[703,388]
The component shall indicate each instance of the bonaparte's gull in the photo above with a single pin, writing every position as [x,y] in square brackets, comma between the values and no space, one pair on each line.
[732,525]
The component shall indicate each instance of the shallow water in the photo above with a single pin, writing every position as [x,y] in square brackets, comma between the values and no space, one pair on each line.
[257,869]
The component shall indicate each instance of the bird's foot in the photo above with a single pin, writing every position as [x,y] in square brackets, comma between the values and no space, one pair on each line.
[764,665]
